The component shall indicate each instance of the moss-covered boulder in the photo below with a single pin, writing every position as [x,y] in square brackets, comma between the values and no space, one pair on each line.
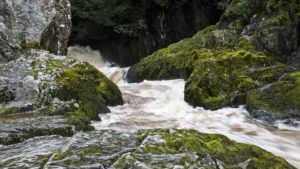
[87,85]
[221,63]
[277,101]
[222,78]
[272,24]
[219,67]
[39,84]
[176,61]
[157,148]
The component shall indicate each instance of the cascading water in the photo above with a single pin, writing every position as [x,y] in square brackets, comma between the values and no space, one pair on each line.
[160,104]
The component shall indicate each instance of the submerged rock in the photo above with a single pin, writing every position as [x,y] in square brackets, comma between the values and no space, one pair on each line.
[52,85]
[42,24]
[140,149]
[277,101]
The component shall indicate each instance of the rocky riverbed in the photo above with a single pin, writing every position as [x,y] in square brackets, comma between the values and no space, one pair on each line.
[228,97]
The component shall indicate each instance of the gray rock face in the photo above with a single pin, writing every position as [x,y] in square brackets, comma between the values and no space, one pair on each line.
[32,153]
[273,31]
[17,128]
[42,83]
[34,24]
[25,82]
[143,149]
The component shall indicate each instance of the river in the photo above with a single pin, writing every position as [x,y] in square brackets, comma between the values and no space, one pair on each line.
[160,104]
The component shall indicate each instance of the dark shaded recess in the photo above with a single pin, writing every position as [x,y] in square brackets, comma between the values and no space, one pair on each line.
[163,25]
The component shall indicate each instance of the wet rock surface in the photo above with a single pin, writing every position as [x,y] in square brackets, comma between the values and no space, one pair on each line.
[34,24]
[32,153]
[51,86]
[140,149]
[17,128]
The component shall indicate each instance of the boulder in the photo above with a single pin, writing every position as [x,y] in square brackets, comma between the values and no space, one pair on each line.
[210,58]
[176,61]
[273,26]
[247,49]
[277,101]
[44,24]
[50,85]
[224,77]
[161,148]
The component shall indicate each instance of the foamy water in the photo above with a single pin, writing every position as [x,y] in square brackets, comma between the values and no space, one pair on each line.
[160,104]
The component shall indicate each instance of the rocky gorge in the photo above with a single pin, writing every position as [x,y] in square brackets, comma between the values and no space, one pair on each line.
[62,109]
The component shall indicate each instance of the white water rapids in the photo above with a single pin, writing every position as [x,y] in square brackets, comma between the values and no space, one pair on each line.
[160,104]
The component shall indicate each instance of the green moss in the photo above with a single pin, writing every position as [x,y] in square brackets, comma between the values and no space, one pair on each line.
[89,87]
[44,160]
[249,7]
[54,65]
[217,146]
[12,110]
[281,100]
[227,67]
[212,57]
[59,155]
[34,45]
[82,152]
[183,145]
[80,120]
[176,61]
